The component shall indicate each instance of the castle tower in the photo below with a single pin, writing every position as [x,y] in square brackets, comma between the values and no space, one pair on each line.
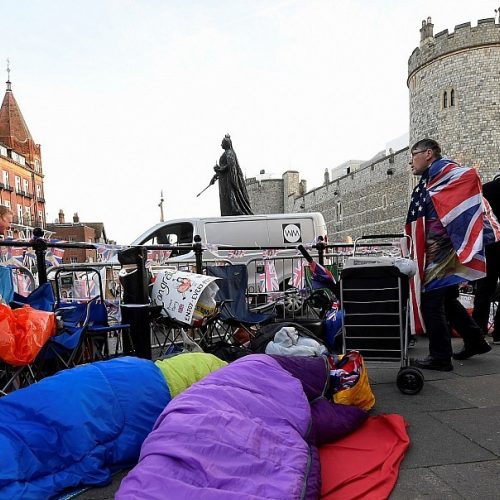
[454,84]
[21,176]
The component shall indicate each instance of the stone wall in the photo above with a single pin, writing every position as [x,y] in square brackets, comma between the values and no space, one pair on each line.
[373,199]
[466,62]
[266,196]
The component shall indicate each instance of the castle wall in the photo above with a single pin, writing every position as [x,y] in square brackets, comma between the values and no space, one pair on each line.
[371,200]
[466,62]
[266,196]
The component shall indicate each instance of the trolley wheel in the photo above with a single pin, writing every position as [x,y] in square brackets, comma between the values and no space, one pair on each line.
[410,380]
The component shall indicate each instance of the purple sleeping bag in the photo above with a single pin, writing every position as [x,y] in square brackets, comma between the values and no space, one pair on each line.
[240,433]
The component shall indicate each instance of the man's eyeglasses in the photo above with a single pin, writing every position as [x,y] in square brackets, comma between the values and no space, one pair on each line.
[413,153]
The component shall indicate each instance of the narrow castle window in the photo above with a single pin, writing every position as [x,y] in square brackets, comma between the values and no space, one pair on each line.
[452,97]
[339,210]
[384,201]
[445,99]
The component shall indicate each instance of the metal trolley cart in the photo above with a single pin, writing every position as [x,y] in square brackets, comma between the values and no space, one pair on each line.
[374,295]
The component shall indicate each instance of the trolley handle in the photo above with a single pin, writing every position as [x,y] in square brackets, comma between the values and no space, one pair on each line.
[385,236]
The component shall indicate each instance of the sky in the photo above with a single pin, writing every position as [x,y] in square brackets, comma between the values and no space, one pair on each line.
[129,98]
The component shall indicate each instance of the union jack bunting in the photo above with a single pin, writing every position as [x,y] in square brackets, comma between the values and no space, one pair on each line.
[158,257]
[268,280]
[54,256]
[234,254]
[269,254]
[106,253]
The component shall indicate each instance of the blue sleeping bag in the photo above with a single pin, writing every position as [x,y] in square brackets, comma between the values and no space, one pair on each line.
[77,427]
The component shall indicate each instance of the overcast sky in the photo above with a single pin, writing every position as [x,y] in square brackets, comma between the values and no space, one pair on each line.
[131,97]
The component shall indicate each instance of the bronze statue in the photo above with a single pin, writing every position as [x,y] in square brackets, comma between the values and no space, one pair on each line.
[233,195]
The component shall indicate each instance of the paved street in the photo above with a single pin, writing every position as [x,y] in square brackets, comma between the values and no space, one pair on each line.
[454,427]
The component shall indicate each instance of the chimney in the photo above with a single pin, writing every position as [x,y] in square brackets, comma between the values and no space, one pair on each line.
[426,31]
[61,216]
[76,219]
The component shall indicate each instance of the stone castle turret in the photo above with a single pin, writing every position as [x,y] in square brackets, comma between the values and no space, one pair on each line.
[454,85]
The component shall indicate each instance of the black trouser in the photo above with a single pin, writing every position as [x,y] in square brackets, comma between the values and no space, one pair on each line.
[485,290]
[440,310]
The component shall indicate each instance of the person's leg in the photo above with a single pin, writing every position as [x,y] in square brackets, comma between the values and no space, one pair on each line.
[468,329]
[485,288]
[440,350]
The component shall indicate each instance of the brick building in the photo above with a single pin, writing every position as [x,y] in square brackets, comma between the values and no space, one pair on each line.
[76,231]
[21,173]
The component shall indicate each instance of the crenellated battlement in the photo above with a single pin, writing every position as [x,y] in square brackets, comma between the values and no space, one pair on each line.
[433,47]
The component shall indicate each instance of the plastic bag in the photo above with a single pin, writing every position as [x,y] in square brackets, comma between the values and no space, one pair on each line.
[350,381]
[23,332]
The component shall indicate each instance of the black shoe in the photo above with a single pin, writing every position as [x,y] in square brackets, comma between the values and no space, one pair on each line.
[472,350]
[429,363]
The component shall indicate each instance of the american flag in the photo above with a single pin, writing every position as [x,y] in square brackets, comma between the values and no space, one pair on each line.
[415,227]
[268,280]
[455,192]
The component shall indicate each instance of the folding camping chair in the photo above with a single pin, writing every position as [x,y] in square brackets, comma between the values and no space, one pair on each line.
[101,335]
[234,313]
[103,338]
[66,349]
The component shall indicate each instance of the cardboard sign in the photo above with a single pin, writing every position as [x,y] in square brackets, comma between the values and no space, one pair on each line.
[184,296]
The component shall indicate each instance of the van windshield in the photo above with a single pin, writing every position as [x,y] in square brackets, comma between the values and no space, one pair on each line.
[173,234]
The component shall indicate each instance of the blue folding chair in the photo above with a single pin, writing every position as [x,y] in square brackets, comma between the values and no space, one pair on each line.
[101,333]
[66,349]
[234,311]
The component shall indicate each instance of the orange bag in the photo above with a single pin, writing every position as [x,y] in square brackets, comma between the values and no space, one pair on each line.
[23,332]
[360,394]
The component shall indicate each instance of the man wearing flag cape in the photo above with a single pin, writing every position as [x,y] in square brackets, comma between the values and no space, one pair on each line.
[450,223]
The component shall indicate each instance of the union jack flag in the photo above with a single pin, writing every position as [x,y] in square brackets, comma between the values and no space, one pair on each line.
[106,253]
[54,256]
[297,280]
[268,280]
[455,192]
[158,257]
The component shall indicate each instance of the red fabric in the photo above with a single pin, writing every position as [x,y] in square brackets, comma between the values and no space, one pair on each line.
[365,464]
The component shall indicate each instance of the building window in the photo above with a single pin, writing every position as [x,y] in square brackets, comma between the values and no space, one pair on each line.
[71,238]
[40,216]
[339,210]
[38,191]
[6,178]
[73,260]
[3,151]
[17,180]
[452,97]
[20,213]
[445,99]
[37,166]
[6,203]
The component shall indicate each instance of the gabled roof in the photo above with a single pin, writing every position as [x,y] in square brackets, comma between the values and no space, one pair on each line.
[14,132]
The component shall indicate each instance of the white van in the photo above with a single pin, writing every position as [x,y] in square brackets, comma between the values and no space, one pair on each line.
[240,231]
